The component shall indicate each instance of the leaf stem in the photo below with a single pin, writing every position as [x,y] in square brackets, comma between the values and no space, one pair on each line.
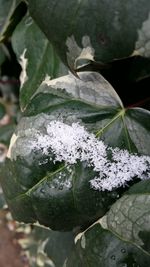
[119,114]
[139,103]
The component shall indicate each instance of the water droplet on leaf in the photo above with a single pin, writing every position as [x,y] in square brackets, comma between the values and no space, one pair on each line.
[123,250]
[113,257]
[114,194]
[60,187]
[42,190]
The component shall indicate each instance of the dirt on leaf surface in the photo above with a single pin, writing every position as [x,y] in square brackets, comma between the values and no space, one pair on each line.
[11,254]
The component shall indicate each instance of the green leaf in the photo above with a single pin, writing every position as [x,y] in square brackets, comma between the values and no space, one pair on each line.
[92,100]
[33,244]
[36,56]
[2,110]
[2,55]
[11,12]
[48,202]
[46,246]
[59,246]
[99,247]
[36,188]
[94,30]
[129,217]
[2,199]
[6,132]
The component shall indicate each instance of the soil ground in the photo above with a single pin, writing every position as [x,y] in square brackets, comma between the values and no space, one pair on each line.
[11,254]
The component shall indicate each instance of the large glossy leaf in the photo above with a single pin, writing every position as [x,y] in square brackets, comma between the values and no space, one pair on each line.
[33,195]
[36,56]
[129,217]
[99,247]
[88,30]
[92,100]
[37,191]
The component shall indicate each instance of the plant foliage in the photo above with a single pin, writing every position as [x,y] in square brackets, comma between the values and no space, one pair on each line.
[48,173]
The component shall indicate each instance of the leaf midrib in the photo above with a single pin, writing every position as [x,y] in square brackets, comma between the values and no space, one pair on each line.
[28,192]
[117,116]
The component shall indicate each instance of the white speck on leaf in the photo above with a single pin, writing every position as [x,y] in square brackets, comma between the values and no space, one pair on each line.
[46,80]
[28,21]
[80,235]
[12,142]
[116,21]
[57,82]
[83,241]
[23,62]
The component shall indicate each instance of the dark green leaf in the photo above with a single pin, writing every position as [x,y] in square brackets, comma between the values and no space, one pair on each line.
[38,192]
[2,111]
[52,204]
[129,217]
[59,246]
[36,56]
[99,247]
[2,55]
[11,12]
[94,30]
[6,132]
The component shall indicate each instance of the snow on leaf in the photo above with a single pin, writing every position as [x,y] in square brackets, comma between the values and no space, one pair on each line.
[72,143]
